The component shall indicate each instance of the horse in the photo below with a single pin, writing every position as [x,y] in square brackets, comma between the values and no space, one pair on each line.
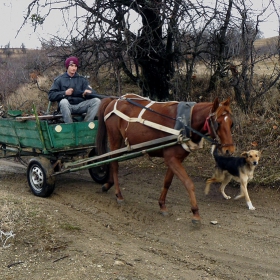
[122,121]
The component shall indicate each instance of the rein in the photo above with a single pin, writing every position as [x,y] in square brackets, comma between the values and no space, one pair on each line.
[213,141]
[147,108]
[215,133]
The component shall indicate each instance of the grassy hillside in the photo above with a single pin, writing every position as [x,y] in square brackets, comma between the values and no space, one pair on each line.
[266,42]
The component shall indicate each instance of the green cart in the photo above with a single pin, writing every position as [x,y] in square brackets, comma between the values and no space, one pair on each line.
[51,144]
[57,148]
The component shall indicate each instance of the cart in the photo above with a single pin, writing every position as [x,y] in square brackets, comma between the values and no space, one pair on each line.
[55,148]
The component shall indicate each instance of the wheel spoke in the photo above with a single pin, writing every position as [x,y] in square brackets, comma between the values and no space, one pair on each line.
[37,177]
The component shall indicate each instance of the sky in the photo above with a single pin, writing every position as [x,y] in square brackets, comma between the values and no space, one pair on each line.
[12,17]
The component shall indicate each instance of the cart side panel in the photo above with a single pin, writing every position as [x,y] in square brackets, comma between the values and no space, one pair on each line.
[7,133]
[47,137]
[19,134]
[73,135]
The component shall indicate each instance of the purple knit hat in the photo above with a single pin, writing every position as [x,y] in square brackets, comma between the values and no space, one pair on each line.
[71,60]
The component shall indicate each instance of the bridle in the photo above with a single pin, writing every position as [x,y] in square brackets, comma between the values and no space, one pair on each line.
[212,130]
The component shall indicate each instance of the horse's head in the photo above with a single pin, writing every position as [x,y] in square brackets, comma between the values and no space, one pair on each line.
[221,124]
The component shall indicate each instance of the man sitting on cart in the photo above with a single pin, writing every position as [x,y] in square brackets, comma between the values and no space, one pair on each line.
[73,93]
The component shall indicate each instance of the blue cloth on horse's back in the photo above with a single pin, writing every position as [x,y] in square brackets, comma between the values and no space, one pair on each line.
[183,118]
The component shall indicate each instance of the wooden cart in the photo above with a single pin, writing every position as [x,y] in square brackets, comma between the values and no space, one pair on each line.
[54,148]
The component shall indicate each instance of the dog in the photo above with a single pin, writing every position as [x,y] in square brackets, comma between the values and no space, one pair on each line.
[241,169]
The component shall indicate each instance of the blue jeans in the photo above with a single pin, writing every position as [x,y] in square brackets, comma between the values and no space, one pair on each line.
[90,107]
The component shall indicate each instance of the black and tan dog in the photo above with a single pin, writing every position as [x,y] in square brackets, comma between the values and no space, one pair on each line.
[241,169]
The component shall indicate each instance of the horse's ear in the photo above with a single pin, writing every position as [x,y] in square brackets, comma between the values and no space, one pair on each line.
[215,104]
[226,103]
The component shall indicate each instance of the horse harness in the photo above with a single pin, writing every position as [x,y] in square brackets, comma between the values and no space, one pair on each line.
[183,134]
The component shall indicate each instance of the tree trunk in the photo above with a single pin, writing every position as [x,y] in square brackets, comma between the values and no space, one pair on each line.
[155,83]
[152,55]
[221,42]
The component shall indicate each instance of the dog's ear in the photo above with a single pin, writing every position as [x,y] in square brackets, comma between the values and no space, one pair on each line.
[244,154]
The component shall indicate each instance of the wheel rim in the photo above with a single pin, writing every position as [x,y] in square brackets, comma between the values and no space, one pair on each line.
[36,176]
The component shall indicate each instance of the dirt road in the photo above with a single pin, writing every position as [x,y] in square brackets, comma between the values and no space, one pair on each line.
[81,233]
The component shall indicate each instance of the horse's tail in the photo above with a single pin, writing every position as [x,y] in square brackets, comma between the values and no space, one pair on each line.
[101,138]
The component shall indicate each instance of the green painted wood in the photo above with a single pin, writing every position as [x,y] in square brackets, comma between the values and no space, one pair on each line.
[18,134]
[73,135]
[26,134]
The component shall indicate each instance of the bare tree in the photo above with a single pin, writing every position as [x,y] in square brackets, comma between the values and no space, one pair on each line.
[247,87]
[220,55]
[168,33]
[23,48]
[8,51]
[276,9]
[107,35]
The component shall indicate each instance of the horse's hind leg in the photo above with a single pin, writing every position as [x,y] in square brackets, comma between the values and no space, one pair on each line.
[107,186]
[167,182]
[115,142]
[118,193]
[114,180]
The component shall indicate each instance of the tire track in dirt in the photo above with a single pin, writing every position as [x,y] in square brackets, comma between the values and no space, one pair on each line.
[133,241]
[118,226]
[157,233]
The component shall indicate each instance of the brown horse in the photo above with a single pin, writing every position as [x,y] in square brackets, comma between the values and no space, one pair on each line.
[123,122]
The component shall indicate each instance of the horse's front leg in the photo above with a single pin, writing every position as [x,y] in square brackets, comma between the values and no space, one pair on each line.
[167,182]
[176,166]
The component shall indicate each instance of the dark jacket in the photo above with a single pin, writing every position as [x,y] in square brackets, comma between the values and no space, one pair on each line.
[63,82]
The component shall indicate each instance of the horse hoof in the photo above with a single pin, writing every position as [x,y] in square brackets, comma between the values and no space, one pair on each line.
[164,213]
[196,223]
[120,201]
[104,189]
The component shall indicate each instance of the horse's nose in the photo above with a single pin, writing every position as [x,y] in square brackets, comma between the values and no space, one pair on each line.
[228,150]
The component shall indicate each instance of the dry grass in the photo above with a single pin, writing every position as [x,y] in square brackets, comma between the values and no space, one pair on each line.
[263,42]
[25,97]
[28,94]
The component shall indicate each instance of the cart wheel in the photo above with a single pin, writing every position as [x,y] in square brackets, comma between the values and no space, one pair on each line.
[39,177]
[99,174]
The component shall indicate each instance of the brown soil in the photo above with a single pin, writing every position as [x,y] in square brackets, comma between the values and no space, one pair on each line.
[81,233]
